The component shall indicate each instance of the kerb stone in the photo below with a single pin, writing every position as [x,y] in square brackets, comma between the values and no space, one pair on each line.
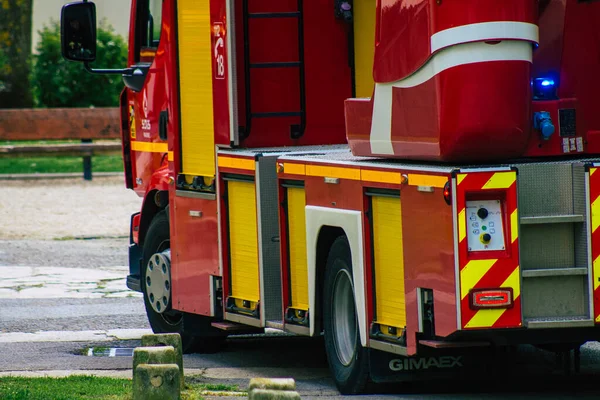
[167,339]
[156,382]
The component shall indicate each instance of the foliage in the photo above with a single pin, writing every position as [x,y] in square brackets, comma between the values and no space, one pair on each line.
[57,82]
[4,69]
[15,49]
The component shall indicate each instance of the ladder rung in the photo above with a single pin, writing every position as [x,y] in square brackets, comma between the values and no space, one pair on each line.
[276,65]
[278,114]
[294,14]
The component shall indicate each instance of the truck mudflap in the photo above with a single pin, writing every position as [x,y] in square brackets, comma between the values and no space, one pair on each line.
[440,364]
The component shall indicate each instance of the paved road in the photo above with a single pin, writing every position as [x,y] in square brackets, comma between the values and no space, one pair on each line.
[59,297]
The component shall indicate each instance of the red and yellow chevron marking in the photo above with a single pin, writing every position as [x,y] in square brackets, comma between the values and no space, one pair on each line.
[595,220]
[501,270]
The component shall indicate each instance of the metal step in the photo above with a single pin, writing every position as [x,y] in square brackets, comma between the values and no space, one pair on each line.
[232,327]
[559,322]
[536,273]
[275,324]
[552,219]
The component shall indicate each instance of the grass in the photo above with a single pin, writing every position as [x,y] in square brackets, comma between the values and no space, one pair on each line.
[88,388]
[71,388]
[41,165]
[59,165]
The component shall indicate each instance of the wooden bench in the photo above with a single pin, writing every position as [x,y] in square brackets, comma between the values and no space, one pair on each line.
[96,128]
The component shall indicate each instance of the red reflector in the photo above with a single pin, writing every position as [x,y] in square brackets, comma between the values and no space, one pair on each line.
[491,298]
[448,193]
[135,228]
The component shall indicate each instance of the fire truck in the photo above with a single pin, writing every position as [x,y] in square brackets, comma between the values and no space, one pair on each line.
[414,180]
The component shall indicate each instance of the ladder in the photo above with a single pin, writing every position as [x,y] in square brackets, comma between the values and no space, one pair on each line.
[296,131]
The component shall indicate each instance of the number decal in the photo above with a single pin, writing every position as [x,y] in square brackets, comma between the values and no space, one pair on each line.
[219,50]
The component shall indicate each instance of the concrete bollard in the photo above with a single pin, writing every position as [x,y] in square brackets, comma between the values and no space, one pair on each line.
[153,355]
[167,339]
[156,382]
[272,383]
[272,389]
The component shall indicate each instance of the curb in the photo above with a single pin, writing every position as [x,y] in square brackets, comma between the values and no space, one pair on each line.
[70,175]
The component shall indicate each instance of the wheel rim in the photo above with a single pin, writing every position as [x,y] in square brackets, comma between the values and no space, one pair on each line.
[158,281]
[344,318]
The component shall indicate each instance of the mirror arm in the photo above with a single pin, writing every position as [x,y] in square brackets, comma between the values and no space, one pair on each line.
[127,71]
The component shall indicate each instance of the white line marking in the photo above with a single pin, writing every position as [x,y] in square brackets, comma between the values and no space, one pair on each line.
[498,30]
[74,336]
[462,54]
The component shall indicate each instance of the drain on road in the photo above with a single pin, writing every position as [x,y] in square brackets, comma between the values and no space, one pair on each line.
[110,352]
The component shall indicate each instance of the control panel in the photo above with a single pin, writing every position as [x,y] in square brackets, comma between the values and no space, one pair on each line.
[485,230]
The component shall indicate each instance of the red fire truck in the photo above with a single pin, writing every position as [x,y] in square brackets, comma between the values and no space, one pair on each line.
[415,180]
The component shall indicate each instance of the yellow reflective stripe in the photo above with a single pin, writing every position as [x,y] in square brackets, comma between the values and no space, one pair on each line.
[487,318]
[294,169]
[149,147]
[472,273]
[501,180]
[381,176]
[237,163]
[514,226]
[592,170]
[427,180]
[595,214]
[460,178]
[462,225]
[333,172]
[596,272]
[513,282]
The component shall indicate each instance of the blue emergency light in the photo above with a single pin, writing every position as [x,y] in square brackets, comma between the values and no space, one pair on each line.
[544,89]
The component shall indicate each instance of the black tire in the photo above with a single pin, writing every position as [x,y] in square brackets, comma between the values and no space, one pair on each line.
[350,370]
[201,337]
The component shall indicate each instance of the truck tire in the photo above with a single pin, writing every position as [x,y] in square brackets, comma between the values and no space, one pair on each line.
[348,360]
[203,337]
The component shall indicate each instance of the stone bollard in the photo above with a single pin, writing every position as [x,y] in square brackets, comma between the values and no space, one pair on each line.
[156,382]
[272,389]
[167,339]
[154,355]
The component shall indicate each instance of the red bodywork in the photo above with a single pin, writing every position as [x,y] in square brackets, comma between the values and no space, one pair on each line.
[460,110]
[483,111]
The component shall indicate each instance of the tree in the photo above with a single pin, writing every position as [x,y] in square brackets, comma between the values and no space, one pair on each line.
[57,82]
[15,50]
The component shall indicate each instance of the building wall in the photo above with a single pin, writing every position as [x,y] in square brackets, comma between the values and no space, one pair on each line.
[116,13]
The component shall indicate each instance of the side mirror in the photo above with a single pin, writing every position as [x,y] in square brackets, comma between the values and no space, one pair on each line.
[78,31]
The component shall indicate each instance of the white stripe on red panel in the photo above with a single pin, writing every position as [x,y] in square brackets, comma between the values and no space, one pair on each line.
[461,54]
[499,30]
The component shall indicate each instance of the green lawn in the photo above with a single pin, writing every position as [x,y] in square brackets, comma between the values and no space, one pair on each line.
[87,388]
[40,165]
[71,388]
[58,164]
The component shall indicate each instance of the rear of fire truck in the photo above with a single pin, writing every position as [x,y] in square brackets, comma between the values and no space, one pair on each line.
[415,180]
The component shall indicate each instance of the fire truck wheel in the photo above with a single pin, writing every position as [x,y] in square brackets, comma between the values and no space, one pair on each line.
[157,242]
[348,360]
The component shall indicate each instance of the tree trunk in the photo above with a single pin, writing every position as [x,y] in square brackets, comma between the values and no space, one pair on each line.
[15,51]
